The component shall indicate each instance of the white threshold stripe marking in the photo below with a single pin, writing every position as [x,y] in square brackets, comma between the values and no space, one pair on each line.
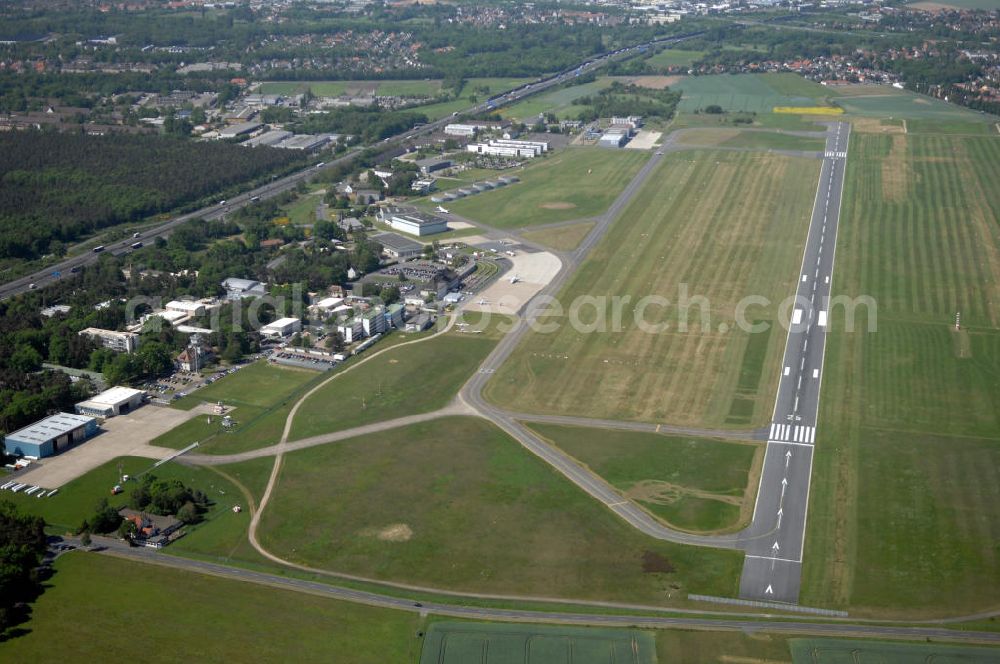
[788,442]
[797,317]
[782,560]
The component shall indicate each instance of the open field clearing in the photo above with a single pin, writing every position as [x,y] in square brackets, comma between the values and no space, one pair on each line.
[76,501]
[897,103]
[758,93]
[95,601]
[835,651]
[456,504]
[561,238]
[559,101]
[498,643]
[675,645]
[722,225]
[404,381]
[692,484]
[752,140]
[936,5]
[903,515]
[675,57]
[260,394]
[574,183]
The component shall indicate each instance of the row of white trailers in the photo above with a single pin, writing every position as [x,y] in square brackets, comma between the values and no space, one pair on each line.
[28,489]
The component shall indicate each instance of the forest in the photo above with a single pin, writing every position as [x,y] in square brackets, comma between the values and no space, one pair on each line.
[621,99]
[57,188]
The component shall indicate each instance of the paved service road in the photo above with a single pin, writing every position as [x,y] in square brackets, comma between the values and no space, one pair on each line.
[774,541]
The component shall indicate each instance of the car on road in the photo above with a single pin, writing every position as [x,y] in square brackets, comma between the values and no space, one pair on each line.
[32,286]
[134,235]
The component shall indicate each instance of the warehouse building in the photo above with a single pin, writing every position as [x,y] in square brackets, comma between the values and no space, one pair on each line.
[283,327]
[119,342]
[614,138]
[237,289]
[52,435]
[241,129]
[272,137]
[432,164]
[111,402]
[456,129]
[187,307]
[413,222]
[506,148]
[397,246]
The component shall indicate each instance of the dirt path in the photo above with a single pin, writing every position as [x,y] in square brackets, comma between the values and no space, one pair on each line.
[282,446]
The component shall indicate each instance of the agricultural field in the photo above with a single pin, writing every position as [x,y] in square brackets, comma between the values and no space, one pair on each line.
[461,643]
[403,381]
[574,183]
[692,484]
[561,238]
[261,394]
[560,102]
[93,602]
[902,514]
[676,645]
[888,102]
[456,504]
[758,93]
[719,225]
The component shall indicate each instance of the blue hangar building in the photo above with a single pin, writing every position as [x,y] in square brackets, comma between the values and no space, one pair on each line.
[50,436]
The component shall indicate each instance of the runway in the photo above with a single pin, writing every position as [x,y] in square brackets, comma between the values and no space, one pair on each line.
[774,542]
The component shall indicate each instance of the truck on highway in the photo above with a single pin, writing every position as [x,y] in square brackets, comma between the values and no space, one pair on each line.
[98,249]
[254,199]
[137,245]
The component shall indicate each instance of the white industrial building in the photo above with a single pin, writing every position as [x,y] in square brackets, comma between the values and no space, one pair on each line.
[241,129]
[615,137]
[114,401]
[239,288]
[413,222]
[282,327]
[186,307]
[457,129]
[119,342]
[509,148]
[268,138]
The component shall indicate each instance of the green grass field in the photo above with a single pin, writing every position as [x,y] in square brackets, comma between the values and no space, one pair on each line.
[723,225]
[675,57]
[559,101]
[835,651]
[76,500]
[894,103]
[261,395]
[748,92]
[751,140]
[499,643]
[94,604]
[572,184]
[561,238]
[960,4]
[692,484]
[456,504]
[404,381]
[902,513]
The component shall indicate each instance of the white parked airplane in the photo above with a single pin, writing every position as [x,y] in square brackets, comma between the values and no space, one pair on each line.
[441,208]
[483,302]
[514,279]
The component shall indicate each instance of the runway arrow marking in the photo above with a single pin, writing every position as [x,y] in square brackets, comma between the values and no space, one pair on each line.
[784,485]
[780,512]
[775,547]
[788,456]
[769,590]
